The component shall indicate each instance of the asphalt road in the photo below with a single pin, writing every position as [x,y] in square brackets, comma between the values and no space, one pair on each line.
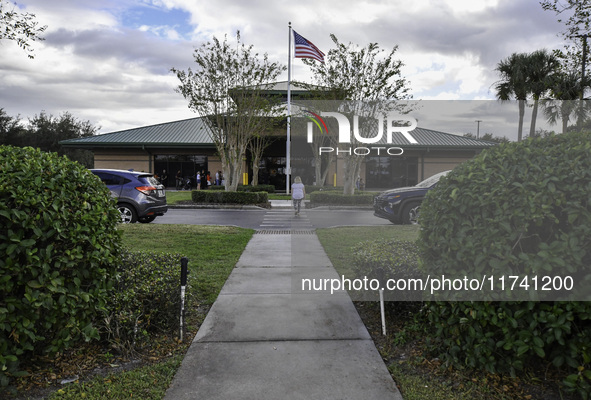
[275,218]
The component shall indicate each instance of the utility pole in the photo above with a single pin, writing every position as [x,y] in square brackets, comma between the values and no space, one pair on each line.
[478,121]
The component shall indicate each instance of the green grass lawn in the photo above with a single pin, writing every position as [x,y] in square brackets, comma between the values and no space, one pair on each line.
[417,375]
[173,198]
[213,251]
[338,242]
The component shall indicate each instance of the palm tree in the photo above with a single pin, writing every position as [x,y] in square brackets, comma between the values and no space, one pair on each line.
[541,67]
[565,90]
[513,83]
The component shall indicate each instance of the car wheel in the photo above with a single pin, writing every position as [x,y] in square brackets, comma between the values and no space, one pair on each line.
[146,220]
[128,214]
[410,213]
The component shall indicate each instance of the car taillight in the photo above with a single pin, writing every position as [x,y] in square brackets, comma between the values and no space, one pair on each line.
[147,190]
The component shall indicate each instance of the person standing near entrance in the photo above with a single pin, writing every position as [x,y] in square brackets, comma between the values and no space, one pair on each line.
[179,180]
[164,178]
[198,178]
[298,192]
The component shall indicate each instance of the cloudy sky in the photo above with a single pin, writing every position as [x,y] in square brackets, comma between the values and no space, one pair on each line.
[109,61]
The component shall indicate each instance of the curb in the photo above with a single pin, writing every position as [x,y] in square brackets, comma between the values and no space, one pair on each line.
[253,207]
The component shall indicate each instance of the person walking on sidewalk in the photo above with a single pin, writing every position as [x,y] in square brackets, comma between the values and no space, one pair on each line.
[298,192]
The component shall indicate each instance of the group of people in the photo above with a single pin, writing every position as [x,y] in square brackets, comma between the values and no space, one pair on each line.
[202,180]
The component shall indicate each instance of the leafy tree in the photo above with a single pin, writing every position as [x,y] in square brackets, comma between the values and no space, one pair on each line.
[513,84]
[565,90]
[525,75]
[228,89]
[20,27]
[45,132]
[257,145]
[10,128]
[489,137]
[542,66]
[576,16]
[359,75]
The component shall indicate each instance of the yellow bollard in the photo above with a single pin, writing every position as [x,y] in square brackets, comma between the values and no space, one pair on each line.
[334,180]
[245,178]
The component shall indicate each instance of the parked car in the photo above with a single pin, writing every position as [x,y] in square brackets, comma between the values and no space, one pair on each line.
[140,197]
[401,205]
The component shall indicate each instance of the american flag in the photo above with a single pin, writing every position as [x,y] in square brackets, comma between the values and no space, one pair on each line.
[306,49]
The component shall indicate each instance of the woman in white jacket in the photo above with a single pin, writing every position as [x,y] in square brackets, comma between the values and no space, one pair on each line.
[298,192]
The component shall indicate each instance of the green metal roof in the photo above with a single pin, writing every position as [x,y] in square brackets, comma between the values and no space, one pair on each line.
[194,133]
[428,138]
[189,132]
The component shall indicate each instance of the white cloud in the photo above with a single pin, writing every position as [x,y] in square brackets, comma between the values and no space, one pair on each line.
[109,61]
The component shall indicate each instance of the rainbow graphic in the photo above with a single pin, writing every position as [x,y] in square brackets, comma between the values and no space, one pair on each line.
[317,120]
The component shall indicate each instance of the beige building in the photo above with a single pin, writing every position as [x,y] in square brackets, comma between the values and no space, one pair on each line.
[185,146]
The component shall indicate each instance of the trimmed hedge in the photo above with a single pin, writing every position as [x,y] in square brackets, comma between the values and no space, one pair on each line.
[58,250]
[219,197]
[396,259]
[516,209]
[312,189]
[338,198]
[247,188]
[257,188]
[147,299]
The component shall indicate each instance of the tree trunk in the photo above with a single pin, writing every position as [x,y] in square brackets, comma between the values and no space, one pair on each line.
[534,116]
[352,167]
[520,126]
[318,181]
[325,174]
[255,173]
[236,178]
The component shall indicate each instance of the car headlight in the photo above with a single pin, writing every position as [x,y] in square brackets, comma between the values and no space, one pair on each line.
[392,201]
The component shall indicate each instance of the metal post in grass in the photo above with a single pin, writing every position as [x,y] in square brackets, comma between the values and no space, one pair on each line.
[184,272]
[380,273]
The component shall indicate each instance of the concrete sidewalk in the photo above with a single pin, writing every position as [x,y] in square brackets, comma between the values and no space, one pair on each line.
[264,338]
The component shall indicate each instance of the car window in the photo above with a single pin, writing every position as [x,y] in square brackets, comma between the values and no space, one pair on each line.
[110,179]
[148,179]
[432,180]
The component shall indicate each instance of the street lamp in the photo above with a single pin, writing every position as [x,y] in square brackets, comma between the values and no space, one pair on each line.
[478,121]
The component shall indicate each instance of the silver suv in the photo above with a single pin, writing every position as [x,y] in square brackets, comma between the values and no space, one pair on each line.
[140,197]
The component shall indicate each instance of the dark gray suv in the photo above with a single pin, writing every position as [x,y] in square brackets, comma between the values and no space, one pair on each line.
[140,197]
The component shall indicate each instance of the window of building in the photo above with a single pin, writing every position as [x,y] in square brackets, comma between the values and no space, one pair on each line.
[391,172]
[185,164]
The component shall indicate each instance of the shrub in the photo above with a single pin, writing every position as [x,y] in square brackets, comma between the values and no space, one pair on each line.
[219,197]
[395,259]
[517,209]
[257,188]
[312,188]
[58,246]
[247,188]
[147,299]
[338,198]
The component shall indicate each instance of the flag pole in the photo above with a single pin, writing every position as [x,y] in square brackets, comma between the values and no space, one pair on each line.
[288,141]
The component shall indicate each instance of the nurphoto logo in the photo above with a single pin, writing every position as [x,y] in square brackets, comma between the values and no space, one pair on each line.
[394,123]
